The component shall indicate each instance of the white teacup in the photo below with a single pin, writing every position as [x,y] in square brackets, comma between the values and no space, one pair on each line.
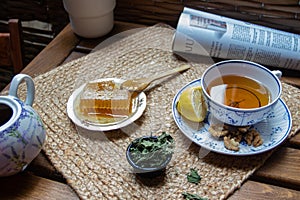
[241,116]
[90,18]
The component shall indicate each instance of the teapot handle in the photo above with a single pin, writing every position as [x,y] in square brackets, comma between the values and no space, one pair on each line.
[13,89]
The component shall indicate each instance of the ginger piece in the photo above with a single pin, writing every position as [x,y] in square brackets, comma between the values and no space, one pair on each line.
[253,137]
[244,129]
[217,130]
[248,137]
[233,135]
[231,144]
[257,140]
[238,138]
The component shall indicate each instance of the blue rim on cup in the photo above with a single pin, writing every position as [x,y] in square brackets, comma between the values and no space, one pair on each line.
[239,116]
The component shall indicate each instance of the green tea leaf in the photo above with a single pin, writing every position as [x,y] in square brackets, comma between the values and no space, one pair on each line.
[147,143]
[193,176]
[152,151]
[190,196]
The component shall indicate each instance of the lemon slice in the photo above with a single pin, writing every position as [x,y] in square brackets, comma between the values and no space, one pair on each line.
[191,104]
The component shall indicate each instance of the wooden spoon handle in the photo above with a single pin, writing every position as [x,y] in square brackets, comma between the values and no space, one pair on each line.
[170,72]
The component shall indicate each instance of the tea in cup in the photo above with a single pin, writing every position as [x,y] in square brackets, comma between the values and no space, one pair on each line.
[239,92]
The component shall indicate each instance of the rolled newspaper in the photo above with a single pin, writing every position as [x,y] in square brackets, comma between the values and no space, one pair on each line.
[207,34]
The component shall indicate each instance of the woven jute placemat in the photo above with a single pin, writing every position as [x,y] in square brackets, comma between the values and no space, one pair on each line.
[94,163]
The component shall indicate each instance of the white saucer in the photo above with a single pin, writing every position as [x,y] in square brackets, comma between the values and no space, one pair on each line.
[138,111]
[274,130]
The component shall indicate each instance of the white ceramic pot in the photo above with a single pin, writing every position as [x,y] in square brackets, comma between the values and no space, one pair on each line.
[90,18]
[22,133]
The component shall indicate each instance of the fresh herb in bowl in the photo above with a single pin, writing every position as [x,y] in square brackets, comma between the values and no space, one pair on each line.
[150,153]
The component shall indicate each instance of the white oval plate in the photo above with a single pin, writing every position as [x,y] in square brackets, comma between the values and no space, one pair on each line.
[273,130]
[141,106]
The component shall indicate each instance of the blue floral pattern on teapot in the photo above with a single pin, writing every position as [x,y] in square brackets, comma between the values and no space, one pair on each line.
[23,134]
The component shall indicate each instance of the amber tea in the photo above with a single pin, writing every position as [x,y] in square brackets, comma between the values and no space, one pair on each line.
[240,92]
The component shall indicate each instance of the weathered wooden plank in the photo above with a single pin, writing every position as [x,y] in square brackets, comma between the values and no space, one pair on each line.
[56,52]
[27,186]
[282,169]
[53,54]
[295,141]
[252,190]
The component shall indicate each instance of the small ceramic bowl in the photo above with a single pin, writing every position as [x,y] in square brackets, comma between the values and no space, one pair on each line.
[239,116]
[149,162]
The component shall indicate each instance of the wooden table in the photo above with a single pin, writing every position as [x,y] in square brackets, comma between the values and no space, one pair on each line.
[279,178]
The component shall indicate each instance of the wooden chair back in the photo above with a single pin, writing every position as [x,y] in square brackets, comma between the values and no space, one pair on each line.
[11,52]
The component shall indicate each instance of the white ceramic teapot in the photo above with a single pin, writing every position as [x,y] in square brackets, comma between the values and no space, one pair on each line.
[22,133]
